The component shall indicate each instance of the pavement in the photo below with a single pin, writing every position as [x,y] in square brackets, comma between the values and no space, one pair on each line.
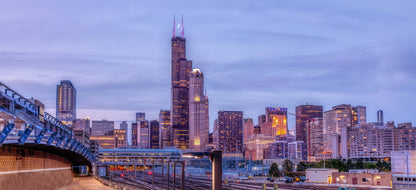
[85,183]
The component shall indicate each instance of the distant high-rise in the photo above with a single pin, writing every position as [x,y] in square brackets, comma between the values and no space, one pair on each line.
[316,139]
[165,129]
[198,112]
[181,67]
[119,138]
[248,128]
[230,132]
[102,128]
[261,119]
[256,130]
[82,124]
[380,119]
[303,113]
[359,116]
[124,126]
[275,122]
[143,134]
[154,134]
[134,134]
[66,96]
[81,129]
[334,121]
[140,116]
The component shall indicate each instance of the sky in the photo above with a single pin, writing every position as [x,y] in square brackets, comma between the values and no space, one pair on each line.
[253,54]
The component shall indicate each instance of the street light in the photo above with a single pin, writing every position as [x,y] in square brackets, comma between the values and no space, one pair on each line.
[216,158]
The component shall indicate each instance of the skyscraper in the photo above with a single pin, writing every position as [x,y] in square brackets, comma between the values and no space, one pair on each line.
[154,134]
[101,128]
[66,96]
[380,119]
[198,112]
[134,134]
[119,138]
[143,134]
[140,116]
[165,129]
[230,132]
[315,141]
[81,129]
[303,113]
[359,115]
[340,118]
[124,126]
[248,128]
[275,122]
[181,67]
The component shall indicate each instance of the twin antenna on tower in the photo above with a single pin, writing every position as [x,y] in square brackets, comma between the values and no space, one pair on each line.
[179,25]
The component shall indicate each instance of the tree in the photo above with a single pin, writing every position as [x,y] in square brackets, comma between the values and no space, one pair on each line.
[359,164]
[369,165]
[301,167]
[379,166]
[274,170]
[349,165]
[288,165]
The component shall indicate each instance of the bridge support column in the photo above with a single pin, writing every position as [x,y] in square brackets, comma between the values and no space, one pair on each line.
[174,175]
[163,166]
[183,176]
[168,174]
[216,158]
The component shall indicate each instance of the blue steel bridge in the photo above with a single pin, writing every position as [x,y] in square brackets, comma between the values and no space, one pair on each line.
[33,140]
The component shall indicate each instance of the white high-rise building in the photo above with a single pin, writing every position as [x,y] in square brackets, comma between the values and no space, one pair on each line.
[198,112]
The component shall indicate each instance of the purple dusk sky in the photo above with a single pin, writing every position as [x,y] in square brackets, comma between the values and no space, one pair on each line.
[253,55]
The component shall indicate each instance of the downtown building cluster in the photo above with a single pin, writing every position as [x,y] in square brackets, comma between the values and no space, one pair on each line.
[341,132]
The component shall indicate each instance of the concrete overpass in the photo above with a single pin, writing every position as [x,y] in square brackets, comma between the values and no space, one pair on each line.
[35,146]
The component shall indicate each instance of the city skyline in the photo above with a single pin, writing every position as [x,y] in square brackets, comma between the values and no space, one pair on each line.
[372,57]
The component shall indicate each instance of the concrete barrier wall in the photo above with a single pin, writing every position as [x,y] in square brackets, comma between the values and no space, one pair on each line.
[49,179]
[15,159]
[28,169]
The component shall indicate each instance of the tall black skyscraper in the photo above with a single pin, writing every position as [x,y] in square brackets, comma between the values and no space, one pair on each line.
[181,67]
[66,96]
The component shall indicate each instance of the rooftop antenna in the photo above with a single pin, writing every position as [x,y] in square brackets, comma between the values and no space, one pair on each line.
[182,27]
[174,25]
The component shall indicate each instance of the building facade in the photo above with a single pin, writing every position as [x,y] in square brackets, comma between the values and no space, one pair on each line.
[334,121]
[378,142]
[120,138]
[198,112]
[134,133]
[248,126]
[315,143]
[102,128]
[276,122]
[66,98]
[230,132]
[81,129]
[256,146]
[165,129]
[143,134]
[154,134]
